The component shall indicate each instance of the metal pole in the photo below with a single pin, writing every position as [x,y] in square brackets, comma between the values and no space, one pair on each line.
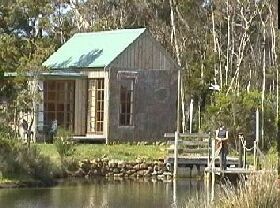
[175,154]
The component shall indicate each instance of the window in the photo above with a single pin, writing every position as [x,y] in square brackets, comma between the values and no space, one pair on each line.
[96,105]
[126,102]
[59,102]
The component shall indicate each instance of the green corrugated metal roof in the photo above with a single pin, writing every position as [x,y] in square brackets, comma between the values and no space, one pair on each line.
[89,50]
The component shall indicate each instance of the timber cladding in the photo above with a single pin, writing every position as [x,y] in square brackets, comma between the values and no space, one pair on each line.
[154,110]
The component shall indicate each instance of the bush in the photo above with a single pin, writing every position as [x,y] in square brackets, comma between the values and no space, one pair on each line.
[260,190]
[17,160]
[64,145]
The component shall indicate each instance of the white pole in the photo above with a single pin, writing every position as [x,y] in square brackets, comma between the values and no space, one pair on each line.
[191,115]
[175,155]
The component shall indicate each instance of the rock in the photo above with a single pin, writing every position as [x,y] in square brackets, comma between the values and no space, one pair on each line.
[139,160]
[109,175]
[150,168]
[94,165]
[129,172]
[128,166]
[118,175]
[140,173]
[113,164]
[143,166]
[133,175]
[168,166]
[116,170]
[121,164]
[123,170]
[160,177]
[160,172]
[156,168]
[136,167]
[103,171]
[91,172]
[79,173]
[167,175]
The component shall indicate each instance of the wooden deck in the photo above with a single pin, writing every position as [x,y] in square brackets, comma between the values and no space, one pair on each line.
[230,170]
[186,161]
[98,139]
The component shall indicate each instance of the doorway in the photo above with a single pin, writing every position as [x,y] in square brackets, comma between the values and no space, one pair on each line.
[95,106]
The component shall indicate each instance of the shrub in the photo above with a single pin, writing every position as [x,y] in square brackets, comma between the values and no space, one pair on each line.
[16,159]
[260,190]
[64,145]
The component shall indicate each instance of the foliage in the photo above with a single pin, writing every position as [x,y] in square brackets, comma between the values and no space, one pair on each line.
[260,190]
[214,46]
[237,112]
[17,160]
[124,152]
[64,145]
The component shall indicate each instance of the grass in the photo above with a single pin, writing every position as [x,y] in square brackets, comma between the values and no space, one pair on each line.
[15,179]
[123,152]
[260,190]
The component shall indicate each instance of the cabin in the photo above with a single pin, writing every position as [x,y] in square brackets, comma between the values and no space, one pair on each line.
[118,85]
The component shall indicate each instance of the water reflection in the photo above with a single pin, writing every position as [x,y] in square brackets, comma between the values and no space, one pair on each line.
[104,193]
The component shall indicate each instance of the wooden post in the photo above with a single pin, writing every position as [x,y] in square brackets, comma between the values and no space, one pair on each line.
[174,191]
[213,171]
[278,146]
[207,180]
[209,150]
[257,125]
[179,102]
[191,115]
[255,155]
[240,151]
[175,154]
[244,155]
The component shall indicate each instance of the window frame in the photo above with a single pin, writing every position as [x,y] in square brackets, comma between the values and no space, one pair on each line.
[129,103]
[65,116]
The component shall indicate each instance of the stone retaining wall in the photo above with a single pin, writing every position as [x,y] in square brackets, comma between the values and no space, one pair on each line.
[122,169]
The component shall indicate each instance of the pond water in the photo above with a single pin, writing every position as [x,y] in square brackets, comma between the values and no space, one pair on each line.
[104,193]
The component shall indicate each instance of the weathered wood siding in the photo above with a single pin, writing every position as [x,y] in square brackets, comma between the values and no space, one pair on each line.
[155,98]
[80,106]
[144,53]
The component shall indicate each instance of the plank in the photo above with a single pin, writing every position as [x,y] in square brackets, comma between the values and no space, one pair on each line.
[230,170]
[191,150]
[187,135]
[190,143]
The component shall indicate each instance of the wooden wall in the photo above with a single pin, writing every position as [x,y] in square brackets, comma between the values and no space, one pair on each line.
[80,107]
[144,53]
